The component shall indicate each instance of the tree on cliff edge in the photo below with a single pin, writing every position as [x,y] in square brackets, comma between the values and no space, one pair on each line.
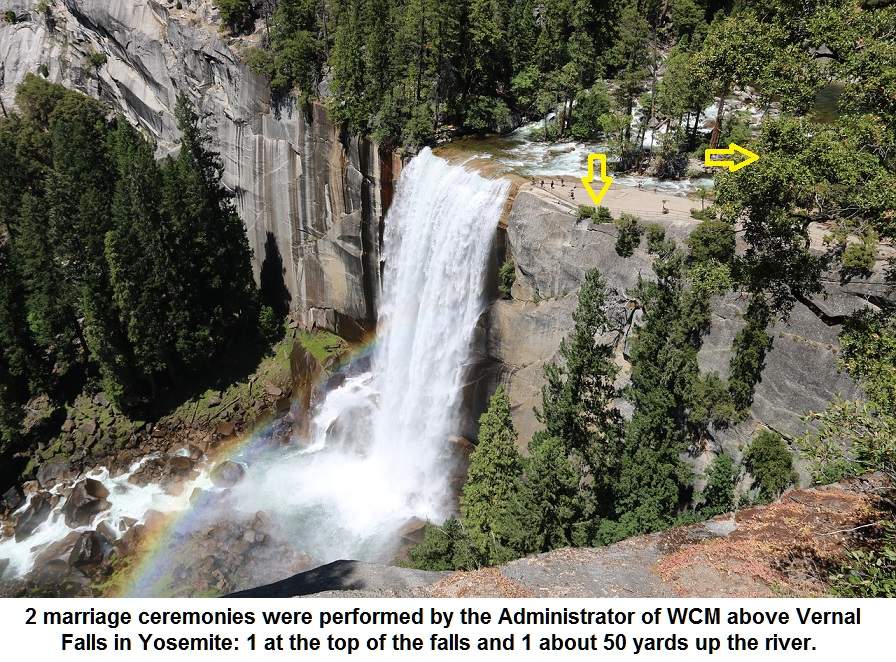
[490,504]
[577,401]
[213,283]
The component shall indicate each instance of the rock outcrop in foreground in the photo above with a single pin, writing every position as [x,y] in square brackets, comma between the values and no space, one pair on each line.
[787,548]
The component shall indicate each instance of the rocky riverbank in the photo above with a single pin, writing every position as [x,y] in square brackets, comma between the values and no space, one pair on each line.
[79,525]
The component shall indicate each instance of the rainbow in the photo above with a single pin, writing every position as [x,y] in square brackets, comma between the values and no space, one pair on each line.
[148,573]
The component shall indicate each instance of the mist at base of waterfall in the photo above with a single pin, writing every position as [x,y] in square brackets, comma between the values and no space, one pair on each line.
[379,454]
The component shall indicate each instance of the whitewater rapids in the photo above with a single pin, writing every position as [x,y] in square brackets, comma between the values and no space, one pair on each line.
[379,453]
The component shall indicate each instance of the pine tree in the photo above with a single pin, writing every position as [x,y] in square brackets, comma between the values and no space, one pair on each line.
[553,497]
[718,496]
[577,400]
[490,504]
[21,364]
[79,198]
[444,547]
[349,102]
[213,284]
[770,462]
[653,479]
[139,257]
[297,45]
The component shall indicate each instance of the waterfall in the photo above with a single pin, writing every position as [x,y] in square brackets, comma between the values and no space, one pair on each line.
[379,453]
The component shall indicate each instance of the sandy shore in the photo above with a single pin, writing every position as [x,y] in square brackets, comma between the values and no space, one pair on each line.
[644,203]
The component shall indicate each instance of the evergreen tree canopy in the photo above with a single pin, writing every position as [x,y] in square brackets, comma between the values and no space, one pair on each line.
[138,271]
[490,504]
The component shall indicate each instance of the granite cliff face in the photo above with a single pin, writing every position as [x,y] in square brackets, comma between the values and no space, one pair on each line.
[311,197]
[313,201]
[553,251]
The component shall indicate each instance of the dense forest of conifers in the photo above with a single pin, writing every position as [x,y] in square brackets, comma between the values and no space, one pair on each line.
[404,69]
[115,269]
[135,273]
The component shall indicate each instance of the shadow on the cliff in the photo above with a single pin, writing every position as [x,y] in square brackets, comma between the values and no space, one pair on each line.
[335,576]
[245,352]
[274,292]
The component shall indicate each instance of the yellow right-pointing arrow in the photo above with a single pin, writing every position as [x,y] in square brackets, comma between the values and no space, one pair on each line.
[733,148]
[597,196]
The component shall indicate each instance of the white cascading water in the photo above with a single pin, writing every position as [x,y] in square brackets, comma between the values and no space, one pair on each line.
[379,453]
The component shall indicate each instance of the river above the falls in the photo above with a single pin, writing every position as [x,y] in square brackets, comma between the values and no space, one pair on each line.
[519,153]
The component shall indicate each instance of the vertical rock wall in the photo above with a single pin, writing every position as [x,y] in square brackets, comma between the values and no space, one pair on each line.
[553,251]
[312,198]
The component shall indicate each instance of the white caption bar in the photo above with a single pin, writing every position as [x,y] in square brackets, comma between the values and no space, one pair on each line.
[476,629]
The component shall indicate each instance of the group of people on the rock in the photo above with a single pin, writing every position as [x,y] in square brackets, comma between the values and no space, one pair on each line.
[572,191]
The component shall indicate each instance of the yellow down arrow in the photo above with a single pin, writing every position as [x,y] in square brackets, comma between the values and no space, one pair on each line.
[597,196]
[733,148]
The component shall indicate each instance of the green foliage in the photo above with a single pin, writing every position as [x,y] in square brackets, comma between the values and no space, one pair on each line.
[506,277]
[674,404]
[591,106]
[488,114]
[269,325]
[868,352]
[718,496]
[578,403]
[137,272]
[770,463]
[630,230]
[236,14]
[97,60]
[736,129]
[10,17]
[657,244]
[260,61]
[858,257]
[585,212]
[689,20]
[577,399]
[294,56]
[598,215]
[400,70]
[712,240]
[707,214]
[490,500]
[557,508]
[443,547]
[869,572]
[751,344]
[853,437]
[21,365]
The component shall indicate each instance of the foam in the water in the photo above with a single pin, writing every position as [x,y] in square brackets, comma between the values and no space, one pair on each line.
[379,453]
[127,502]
